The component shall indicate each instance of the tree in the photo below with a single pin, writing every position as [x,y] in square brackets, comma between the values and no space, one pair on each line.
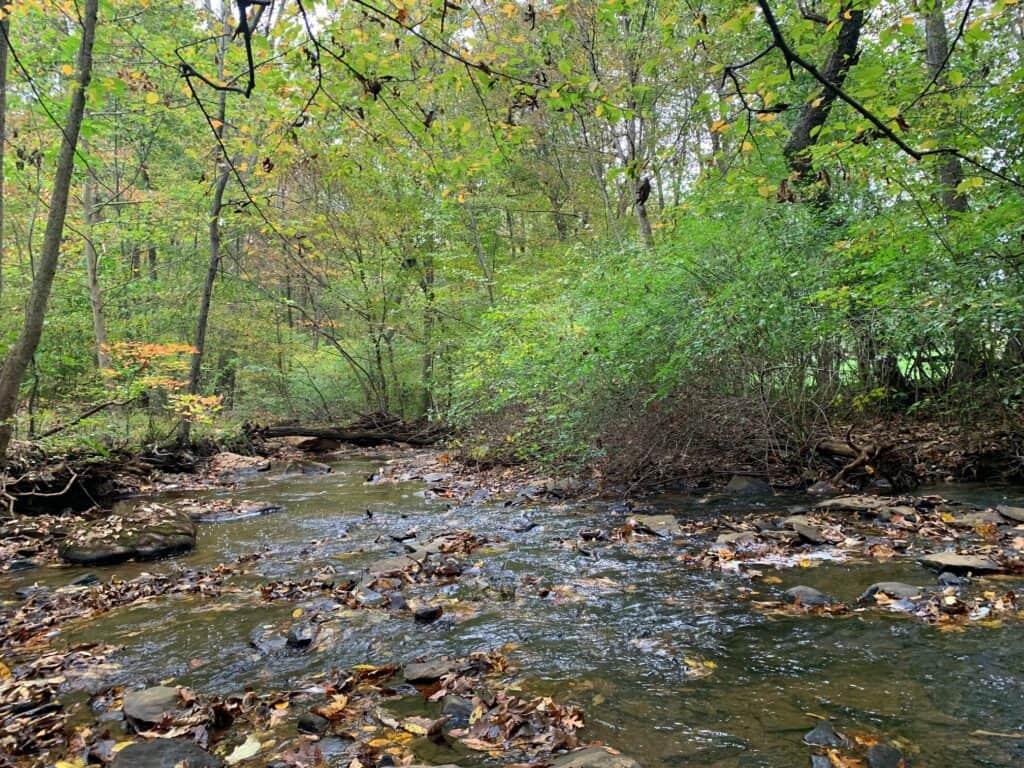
[19,356]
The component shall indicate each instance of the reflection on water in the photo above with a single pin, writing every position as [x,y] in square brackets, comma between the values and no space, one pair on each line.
[613,634]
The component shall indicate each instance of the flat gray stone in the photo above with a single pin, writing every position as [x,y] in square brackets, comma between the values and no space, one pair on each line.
[810,534]
[150,704]
[147,532]
[1015,514]
[595,757]
[736,538]
[954,563]
[428,671]
[860,504]
[165,753]
[665,526]
[974,519]
[894,589]
[823,735]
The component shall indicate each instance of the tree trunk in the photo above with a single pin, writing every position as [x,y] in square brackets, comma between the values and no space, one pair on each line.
[19,356]
[816,110]
[950,173]
[92,269]
[202,322]
[5,31]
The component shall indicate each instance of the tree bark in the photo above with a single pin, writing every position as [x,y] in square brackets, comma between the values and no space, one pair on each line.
[816,110]
[950,172]
[92,270]
[213,266]
[5,31]
[19,356]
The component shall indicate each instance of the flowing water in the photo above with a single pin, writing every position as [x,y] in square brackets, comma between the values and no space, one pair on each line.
[617,634]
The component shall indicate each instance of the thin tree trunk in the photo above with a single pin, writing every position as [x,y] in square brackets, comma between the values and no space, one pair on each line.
[19,356]
[92,269]
[5,30]
[202,322]
[949,174]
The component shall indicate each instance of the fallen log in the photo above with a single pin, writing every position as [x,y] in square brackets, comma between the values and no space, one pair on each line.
[364,438]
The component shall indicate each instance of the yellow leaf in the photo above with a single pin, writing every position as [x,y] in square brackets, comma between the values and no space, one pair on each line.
[719,126]
[5,672]
[806,563]
[68,70]
[152,97]
[121,745]
[710,665]
[509,10]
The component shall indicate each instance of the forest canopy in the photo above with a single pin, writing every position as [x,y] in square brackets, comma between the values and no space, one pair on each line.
[594,229]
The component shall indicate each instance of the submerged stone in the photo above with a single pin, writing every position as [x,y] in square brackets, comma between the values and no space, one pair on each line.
[894,589]
[301,635]
[743,485]
[428,614]
[885,756]
[954,563]
[165,753]
[594,757]
[310,722]
[806,596]
[665,526]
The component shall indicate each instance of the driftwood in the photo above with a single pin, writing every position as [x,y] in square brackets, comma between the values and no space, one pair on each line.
[869,458]
[369,431]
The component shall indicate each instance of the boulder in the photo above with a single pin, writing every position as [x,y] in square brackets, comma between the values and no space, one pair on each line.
[808,597]
[594,757]
[894,589]
[742,485]
[147,532]
[954,563]
[150,705]
[165,753]
[457,709]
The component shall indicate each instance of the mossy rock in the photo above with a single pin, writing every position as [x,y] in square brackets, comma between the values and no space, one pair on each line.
[147,532]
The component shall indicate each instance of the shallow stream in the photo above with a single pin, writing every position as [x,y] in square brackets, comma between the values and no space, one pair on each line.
[617,634]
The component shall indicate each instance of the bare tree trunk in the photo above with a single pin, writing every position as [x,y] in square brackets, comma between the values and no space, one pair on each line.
[816,110]
[950,173]
[5,30]
[427,286]
[92,269]
[19,356]
[202,322]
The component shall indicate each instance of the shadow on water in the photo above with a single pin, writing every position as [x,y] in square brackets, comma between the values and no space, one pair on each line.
[617,631]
